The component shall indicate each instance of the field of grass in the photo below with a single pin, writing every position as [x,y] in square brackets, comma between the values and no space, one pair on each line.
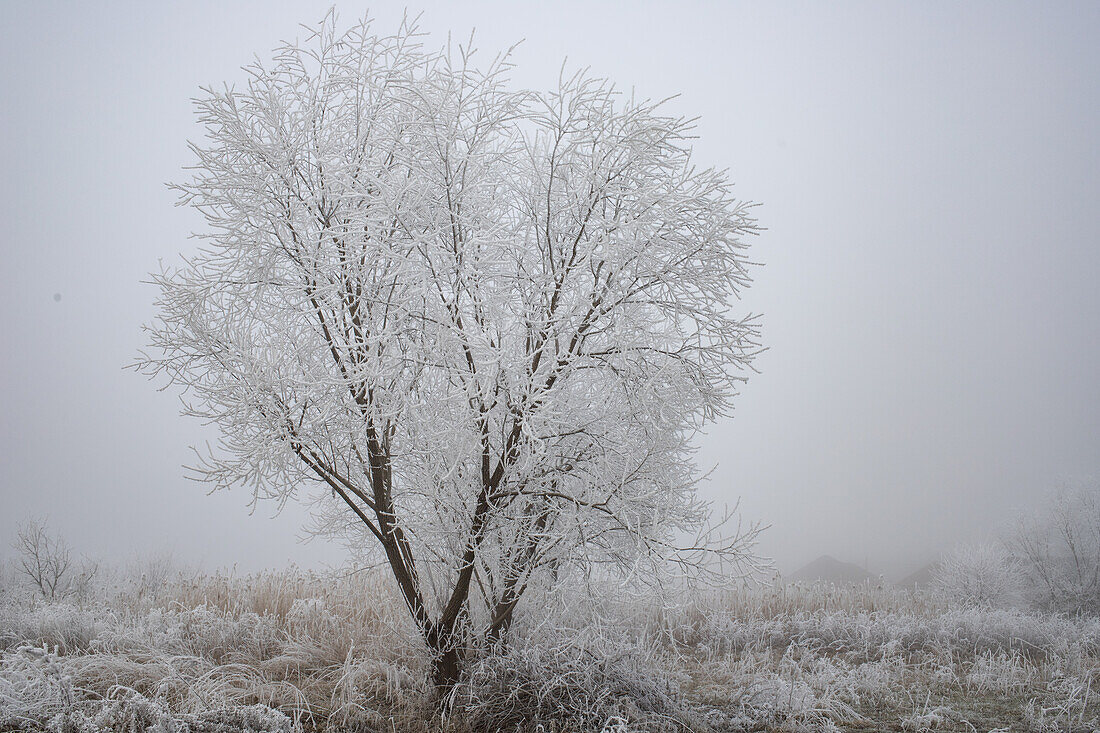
[297,651]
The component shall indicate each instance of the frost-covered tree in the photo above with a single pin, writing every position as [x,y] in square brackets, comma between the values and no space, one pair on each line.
[1059,550]
[485,322]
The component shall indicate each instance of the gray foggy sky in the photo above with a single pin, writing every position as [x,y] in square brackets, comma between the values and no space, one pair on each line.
[929,176]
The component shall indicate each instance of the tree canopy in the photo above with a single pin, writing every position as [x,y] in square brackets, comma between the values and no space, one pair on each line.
[485,322]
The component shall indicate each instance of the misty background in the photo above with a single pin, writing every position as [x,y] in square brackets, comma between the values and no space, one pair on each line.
[928,177]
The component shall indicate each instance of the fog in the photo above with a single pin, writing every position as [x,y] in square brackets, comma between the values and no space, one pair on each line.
[928,176]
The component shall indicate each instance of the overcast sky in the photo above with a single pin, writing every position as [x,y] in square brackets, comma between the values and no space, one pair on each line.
[928,173]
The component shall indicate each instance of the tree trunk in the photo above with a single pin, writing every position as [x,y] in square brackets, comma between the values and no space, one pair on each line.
[446,659]
[446,669]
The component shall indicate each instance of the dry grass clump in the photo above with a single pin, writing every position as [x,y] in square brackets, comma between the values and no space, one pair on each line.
[69,628]
[37,692]
[570,677]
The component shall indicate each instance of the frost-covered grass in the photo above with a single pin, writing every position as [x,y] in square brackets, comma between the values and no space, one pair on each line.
[298,651]
[875,659]
[320,652]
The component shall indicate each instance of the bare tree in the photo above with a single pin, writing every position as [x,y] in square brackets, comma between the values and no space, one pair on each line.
[45,559]
[1060,551]
[486,322]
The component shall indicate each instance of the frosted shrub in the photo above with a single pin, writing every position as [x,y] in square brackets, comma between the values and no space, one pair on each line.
[572,679]
[1060,552]
[983,575]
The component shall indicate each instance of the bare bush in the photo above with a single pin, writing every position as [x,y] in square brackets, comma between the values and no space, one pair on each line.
[982,575]
[47,561]
[1060,552]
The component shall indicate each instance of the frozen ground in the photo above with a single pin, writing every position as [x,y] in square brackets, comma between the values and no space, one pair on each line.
[296,651]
